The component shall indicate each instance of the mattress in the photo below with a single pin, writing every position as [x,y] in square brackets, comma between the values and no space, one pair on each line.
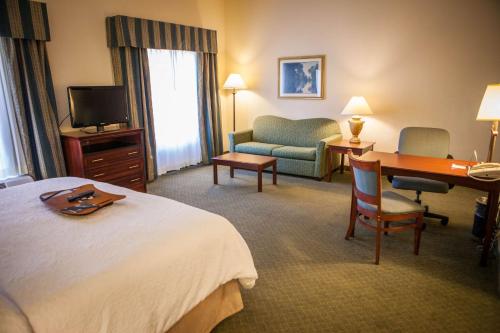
[136,266]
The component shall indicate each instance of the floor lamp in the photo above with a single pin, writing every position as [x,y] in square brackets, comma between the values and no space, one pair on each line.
[490,111]
[234,82]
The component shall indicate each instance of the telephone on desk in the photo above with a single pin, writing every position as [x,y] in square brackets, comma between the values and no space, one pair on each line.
[485,171]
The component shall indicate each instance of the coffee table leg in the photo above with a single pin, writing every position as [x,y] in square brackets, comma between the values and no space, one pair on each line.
[231,172]
[216,180]
[341,163]
[259,180]
[275,176]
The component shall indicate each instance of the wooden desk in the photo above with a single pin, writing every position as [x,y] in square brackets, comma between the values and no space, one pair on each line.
[341,147]
[441,169]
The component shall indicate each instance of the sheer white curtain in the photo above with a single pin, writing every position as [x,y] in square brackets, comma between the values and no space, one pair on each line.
[12,160]
[174,89]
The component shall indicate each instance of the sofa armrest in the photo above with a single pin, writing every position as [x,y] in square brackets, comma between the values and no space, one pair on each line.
[320,169]
[239,137]
[321,145]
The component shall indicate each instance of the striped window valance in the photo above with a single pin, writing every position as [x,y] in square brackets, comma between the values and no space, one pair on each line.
[24,19]
[124,31]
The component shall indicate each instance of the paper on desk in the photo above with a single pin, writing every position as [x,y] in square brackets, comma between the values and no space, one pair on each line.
[458,166]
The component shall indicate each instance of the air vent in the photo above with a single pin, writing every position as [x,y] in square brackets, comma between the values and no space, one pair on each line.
[15,181]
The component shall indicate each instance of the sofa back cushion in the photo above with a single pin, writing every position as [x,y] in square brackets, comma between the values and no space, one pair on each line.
[288,132]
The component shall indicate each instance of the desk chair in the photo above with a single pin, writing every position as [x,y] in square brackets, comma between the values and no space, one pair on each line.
[369,202]
[423,141]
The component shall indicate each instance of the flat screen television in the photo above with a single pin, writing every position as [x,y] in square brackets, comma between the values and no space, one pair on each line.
[97,106]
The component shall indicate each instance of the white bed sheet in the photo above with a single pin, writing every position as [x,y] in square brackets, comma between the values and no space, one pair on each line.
[136,266]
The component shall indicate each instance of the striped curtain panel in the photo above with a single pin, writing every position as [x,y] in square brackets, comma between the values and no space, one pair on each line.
[131,69]
[129,38]
[28,73]
[209,105]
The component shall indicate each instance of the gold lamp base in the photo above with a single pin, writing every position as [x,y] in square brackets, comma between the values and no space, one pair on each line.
[356,125]
[493,139]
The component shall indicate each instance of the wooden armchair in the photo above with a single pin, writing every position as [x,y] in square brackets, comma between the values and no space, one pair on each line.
[375,209]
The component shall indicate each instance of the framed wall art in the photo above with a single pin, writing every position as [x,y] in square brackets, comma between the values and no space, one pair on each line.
[301,77]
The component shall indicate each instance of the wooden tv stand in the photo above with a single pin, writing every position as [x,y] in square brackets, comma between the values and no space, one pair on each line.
[115,157]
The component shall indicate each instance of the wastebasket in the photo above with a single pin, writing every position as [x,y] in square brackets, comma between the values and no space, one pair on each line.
[480,217]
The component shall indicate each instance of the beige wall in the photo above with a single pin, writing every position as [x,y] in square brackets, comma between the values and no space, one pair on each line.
[418,63]
[78,53]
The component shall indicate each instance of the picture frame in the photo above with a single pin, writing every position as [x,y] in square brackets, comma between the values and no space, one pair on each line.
[301,77]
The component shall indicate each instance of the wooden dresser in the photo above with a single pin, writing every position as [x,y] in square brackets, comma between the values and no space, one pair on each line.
[115,157]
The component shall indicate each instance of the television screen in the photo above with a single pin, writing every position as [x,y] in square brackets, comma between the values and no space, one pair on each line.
[97,106]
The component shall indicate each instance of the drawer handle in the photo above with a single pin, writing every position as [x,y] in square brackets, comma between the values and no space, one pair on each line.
[135,180]
[133,166]
[132,153]
[99,175]
[98,160]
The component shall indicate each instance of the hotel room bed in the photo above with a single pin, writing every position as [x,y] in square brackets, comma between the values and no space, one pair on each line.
[144,264]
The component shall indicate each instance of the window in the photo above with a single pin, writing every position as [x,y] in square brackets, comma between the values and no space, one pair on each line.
[12,162]
[174,89]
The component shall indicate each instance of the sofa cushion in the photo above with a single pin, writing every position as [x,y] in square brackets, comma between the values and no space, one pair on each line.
[296,167]
[257,148]
[298,153]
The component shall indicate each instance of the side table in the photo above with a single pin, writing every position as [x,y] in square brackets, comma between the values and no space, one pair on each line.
[341,147]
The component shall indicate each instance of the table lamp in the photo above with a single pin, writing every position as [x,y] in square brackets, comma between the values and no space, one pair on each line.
[490,111]
[235,82]
[356,107]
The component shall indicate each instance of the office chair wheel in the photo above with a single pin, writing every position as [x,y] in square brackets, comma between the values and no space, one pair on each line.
[444,221]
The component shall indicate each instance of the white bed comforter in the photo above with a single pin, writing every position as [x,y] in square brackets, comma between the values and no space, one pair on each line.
[136,266]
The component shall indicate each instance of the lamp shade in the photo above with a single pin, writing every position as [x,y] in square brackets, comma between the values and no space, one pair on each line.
[357,106]
[234,81]
[490,105]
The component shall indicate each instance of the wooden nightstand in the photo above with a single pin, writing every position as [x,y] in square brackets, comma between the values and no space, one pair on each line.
[341,147]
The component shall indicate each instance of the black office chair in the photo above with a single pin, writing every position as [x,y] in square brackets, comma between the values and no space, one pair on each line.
[423,141]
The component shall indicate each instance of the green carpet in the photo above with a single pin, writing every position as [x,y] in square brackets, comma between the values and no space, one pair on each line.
[312,280]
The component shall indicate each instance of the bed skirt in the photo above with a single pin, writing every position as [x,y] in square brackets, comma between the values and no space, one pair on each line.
[222,303]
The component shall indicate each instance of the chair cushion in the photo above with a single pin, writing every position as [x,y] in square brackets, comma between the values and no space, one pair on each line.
[297,153]
[394,203]
[419,184]
[257,148]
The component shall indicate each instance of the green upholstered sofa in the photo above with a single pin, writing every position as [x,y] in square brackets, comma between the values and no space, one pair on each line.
[299,145]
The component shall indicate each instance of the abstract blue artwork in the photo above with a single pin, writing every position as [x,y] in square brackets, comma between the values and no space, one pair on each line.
[301,77]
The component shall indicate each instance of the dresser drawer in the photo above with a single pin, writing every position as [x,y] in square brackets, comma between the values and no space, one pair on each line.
[141,187]
[110,157]
[134,167]
[134,182]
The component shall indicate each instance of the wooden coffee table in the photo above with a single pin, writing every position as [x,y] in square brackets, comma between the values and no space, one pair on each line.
[246,162]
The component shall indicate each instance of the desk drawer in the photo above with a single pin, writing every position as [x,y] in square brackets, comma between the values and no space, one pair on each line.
[118,170]
[109,157]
